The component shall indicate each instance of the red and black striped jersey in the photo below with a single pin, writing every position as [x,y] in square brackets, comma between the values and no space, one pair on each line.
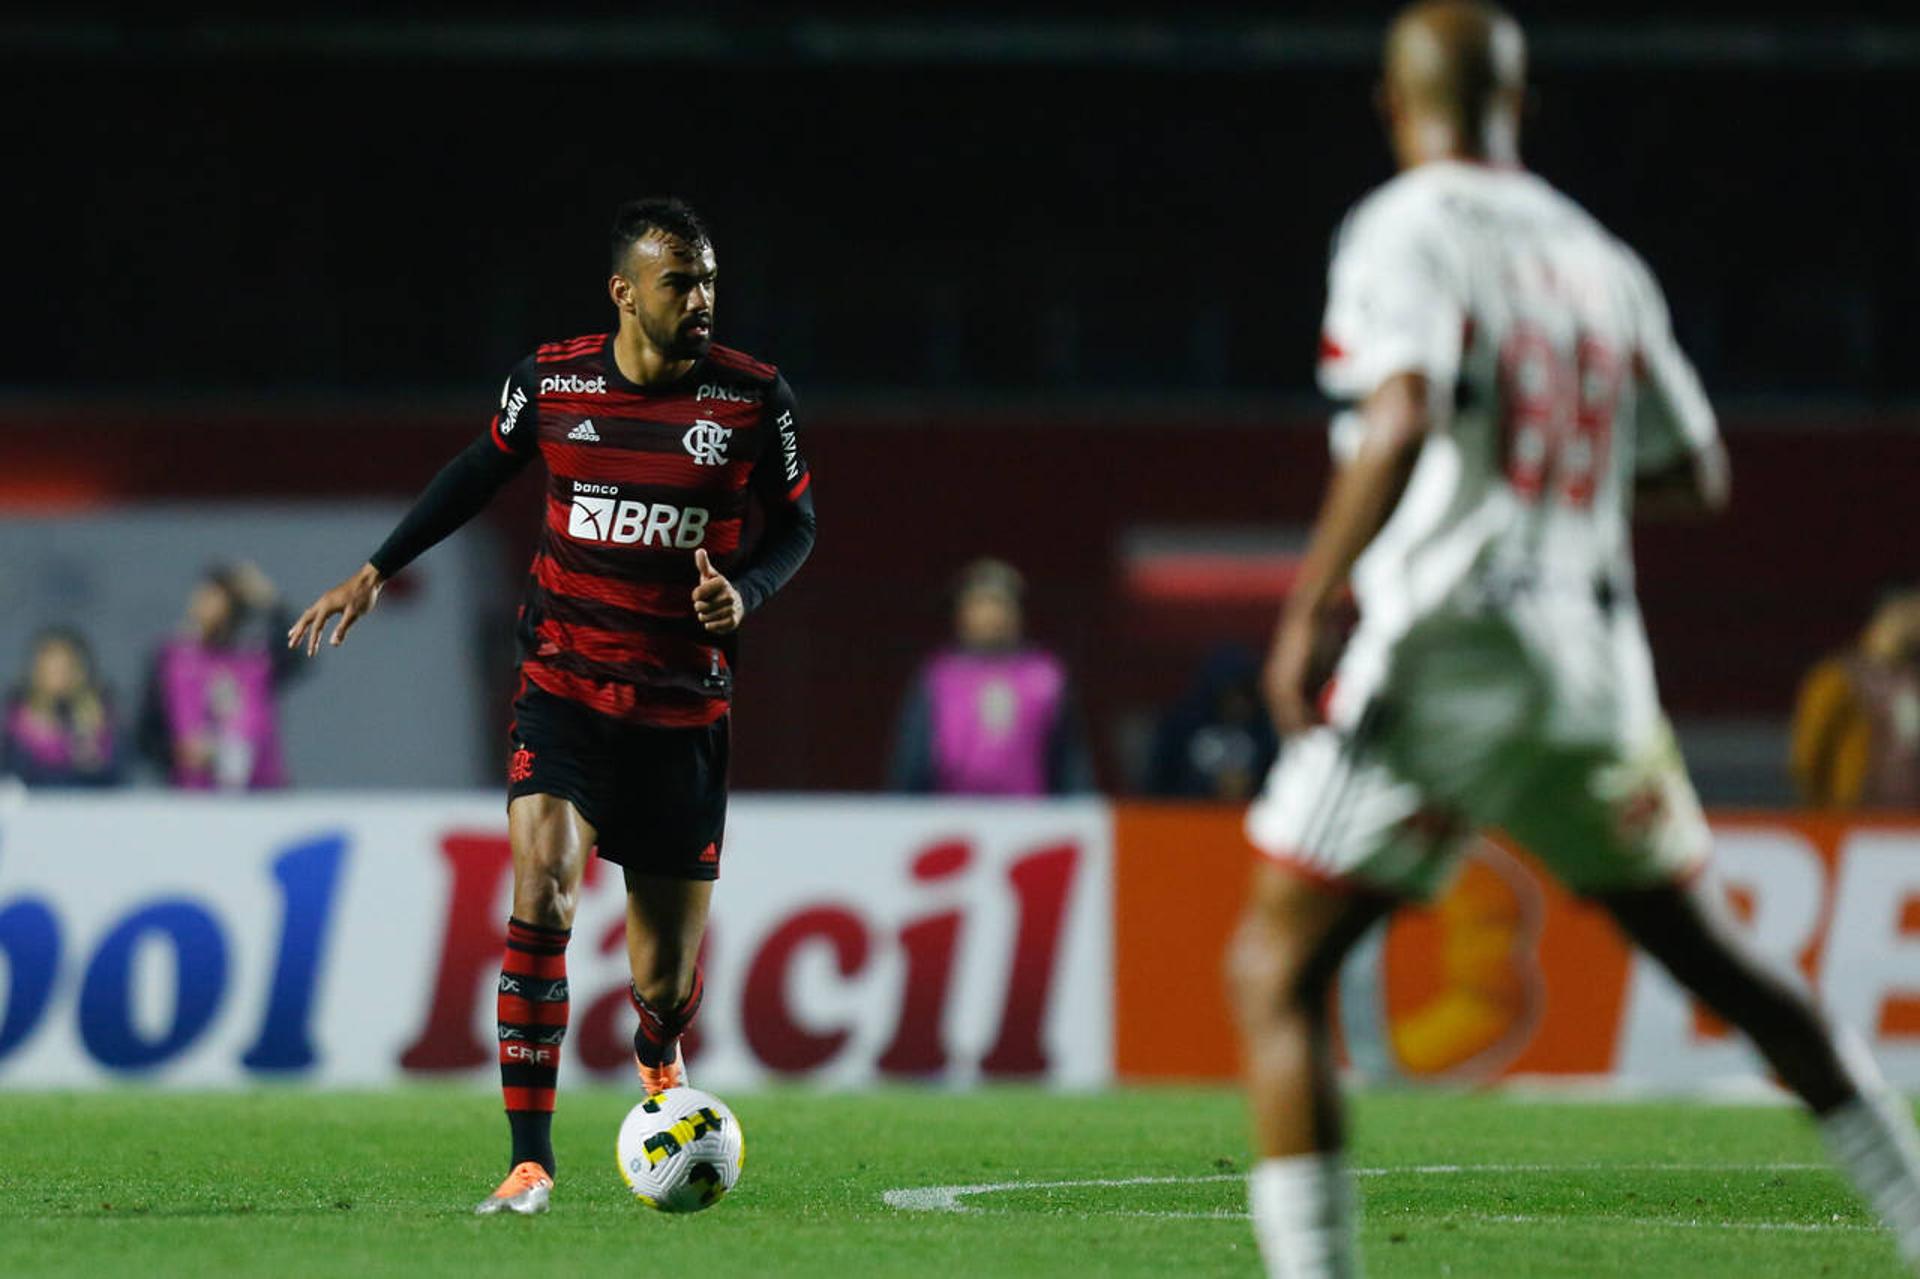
[639,478]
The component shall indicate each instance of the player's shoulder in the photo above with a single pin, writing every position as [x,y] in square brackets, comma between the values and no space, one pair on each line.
[726,362]
[589,347]
[1409,207]
[1535,197]
[1641,280]
[1621,257]
[1454,192]
[1411,191]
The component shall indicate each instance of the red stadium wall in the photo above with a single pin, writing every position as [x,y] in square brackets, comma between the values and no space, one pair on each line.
[1737,609]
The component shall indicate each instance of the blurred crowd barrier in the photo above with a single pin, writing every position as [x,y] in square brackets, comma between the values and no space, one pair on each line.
[355,940]
[1149,537]
[412,704]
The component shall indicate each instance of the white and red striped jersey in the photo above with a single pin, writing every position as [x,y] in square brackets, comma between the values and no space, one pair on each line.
[1553,374]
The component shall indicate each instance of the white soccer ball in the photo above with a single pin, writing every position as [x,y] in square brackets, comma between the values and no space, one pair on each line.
[680,1150]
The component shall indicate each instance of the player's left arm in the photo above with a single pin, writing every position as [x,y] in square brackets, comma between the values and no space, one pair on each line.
[783,483]
[1394,422]
[1680,464]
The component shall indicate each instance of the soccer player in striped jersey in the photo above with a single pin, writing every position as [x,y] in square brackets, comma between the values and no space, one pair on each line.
[655,440]
[1518,391]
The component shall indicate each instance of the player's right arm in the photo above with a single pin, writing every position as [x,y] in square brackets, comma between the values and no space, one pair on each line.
[1365,489]
[458,493]
[1680,464]
[1391,338]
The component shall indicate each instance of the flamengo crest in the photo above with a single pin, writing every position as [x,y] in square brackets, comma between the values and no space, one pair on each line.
[707,442]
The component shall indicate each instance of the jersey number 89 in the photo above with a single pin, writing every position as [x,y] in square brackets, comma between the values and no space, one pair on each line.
[1556,415]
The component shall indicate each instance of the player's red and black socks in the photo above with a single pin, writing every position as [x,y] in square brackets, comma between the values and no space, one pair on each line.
[654,1038]
[533,1020]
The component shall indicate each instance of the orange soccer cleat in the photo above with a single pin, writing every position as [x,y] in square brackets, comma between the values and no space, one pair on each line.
[668,1074]
[525,1191]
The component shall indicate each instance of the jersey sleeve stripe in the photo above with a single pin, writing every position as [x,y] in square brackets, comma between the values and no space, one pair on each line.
[793,494]
[739,361]
[572,349]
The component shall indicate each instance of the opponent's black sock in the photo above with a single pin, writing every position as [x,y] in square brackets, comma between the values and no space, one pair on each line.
[657,1034]
[532,1011]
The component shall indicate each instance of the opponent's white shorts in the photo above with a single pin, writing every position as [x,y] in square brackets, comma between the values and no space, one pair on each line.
[1470,730]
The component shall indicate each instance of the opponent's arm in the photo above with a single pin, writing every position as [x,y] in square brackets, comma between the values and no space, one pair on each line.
[784,485]
[459,492]
[1682,469]
[1364,491]
[1697,485]
[1680,464]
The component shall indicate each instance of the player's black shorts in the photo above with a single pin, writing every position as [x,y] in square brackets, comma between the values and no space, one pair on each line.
[657,796]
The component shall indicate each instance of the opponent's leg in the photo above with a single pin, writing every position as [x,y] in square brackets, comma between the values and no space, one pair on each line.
[1868,1129]
[666,921]
[551,842]
[1280,969]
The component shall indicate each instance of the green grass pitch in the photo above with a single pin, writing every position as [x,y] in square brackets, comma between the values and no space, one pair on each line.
[144,1183]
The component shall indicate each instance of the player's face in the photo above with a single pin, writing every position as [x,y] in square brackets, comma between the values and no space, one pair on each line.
[673,292]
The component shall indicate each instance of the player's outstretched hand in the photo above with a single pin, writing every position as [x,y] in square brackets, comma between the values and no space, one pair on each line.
[352,600]
[715,601]
[1289,668]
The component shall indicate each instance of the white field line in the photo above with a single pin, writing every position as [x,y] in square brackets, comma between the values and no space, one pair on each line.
[1669,1223]
[1522,1219]
[947,1198]
[950,1198]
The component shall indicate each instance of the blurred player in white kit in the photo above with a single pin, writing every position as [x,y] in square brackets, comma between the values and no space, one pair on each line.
[1517,395]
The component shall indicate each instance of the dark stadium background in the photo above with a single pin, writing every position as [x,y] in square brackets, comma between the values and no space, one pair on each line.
[1040,279]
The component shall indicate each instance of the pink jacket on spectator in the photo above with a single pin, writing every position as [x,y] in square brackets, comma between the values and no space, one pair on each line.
[226,698]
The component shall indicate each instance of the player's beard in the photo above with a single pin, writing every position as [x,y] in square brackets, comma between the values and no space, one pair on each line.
[675,342]
[693,348]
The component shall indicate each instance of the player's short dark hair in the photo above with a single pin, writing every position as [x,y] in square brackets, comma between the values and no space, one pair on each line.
[667,214]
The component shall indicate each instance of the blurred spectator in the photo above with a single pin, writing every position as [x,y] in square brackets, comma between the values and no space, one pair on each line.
[210,718]
[59,722]
[1216,742]
[1856,732]
[991,715]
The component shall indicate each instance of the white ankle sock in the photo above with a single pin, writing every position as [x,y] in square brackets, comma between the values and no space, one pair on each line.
[1873,1140]
[1303,1216]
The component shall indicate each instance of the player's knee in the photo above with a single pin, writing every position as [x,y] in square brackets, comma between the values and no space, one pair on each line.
[1265,970]
[545,894]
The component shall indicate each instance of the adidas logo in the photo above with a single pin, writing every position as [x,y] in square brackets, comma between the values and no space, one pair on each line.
[584,431]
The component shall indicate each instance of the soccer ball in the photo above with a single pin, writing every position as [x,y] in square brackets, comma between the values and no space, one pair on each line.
[680,1150]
